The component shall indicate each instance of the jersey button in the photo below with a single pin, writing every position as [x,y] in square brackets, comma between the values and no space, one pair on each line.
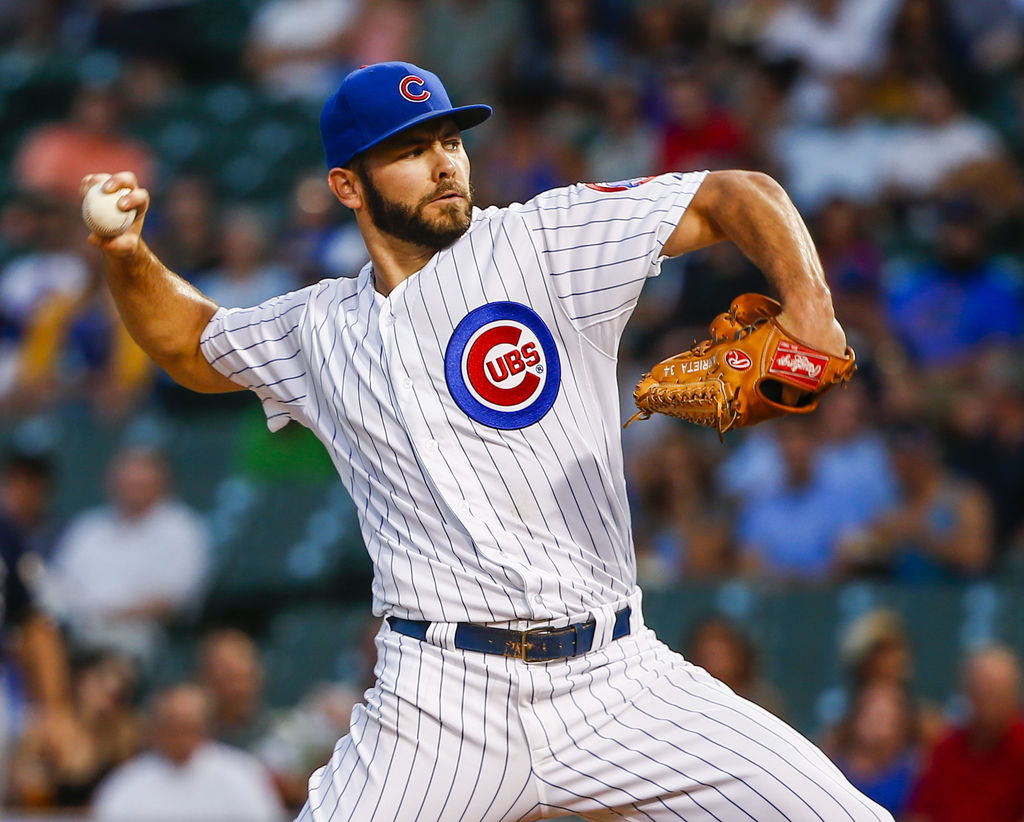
[463,506]
[539,599]
[407,383]
[433,445]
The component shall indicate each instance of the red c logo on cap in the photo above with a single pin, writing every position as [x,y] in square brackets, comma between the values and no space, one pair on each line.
[417,97]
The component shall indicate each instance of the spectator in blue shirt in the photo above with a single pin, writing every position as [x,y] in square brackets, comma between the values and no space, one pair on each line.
[877,745]
[945,309]
[793,530]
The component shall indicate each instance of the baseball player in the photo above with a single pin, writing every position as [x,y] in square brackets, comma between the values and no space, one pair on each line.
[464,384]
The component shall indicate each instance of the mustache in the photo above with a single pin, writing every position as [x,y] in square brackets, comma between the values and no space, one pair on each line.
[443,189]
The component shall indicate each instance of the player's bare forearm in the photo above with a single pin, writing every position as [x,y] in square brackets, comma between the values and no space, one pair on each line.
[163,313]
[754,212]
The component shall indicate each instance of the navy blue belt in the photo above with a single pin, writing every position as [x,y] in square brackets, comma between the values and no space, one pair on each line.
[537,645]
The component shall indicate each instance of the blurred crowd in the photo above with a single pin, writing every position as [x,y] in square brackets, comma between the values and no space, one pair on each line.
[916,761]
[895,125]
[84,720]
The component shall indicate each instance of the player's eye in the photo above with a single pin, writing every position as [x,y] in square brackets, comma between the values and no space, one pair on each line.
[453,144]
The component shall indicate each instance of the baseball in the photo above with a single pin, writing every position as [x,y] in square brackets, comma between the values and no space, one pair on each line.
[101,213]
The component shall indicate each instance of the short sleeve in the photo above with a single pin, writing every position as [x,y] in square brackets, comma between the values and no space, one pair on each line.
[261,348]
[599,242]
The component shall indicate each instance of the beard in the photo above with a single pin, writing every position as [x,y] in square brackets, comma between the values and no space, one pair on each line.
[409,223]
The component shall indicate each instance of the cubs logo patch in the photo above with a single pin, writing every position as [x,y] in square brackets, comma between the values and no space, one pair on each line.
[405,88]
[734,358]
[502,366]
[620,185]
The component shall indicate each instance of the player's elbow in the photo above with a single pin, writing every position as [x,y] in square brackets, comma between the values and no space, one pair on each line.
[725,189]
[196,374]
[725,201]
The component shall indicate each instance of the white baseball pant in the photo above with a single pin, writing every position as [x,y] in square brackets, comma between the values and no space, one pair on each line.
[629,730]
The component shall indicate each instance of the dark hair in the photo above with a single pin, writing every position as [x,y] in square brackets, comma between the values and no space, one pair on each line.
[358,165]
[30,466]
[726,627]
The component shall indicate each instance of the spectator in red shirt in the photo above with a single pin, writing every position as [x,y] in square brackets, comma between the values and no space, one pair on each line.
[697,134]
[977,772]
[54,158]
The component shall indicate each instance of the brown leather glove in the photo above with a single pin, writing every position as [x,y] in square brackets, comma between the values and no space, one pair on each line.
[750,370]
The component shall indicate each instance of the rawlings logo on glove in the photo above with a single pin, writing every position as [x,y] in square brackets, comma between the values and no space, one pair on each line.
[744,374]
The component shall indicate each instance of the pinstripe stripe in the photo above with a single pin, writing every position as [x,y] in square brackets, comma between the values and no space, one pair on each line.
[573,732]
[715,743]
[263,342]
[609,499]
[637,753]
[274,318]
[616,525]
[814,759]
[532,705]
[602,243]
[583,293]
[608,264]
[590,223]
[460,442]
[692,781]
[572,204]
[416,749]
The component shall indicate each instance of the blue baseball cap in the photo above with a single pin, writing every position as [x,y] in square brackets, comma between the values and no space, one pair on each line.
[376,102]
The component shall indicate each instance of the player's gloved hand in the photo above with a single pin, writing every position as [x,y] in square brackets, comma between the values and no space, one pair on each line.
[126,244]
[751,369]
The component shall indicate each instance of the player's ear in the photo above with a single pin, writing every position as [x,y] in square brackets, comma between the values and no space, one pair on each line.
[345,184]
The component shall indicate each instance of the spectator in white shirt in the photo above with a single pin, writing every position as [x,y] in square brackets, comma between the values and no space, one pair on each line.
[810,154]
[186,777]
[830,36]
[943,140]
[297,48]
[124,570]
[247,276]
[827,37]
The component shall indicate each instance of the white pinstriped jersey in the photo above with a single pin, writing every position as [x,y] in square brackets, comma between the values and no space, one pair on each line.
[473,413]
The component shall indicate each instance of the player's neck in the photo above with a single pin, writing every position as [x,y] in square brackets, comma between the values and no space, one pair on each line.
[394,260]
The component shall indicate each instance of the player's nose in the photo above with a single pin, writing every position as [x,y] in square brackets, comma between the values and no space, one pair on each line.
[445,166]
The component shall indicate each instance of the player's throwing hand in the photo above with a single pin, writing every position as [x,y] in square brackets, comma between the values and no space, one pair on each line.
[127,243]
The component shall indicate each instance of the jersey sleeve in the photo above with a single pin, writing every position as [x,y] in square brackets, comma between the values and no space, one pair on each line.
[261,348]
[599,242]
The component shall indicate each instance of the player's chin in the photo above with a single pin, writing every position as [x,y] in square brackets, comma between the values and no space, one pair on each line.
[454,210]
[454,218]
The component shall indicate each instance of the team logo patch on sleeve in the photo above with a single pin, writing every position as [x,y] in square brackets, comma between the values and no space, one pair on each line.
[621,185]
[502,366]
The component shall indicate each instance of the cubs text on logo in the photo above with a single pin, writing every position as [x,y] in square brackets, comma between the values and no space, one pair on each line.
[502,366]
[405,88]
[621,185]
